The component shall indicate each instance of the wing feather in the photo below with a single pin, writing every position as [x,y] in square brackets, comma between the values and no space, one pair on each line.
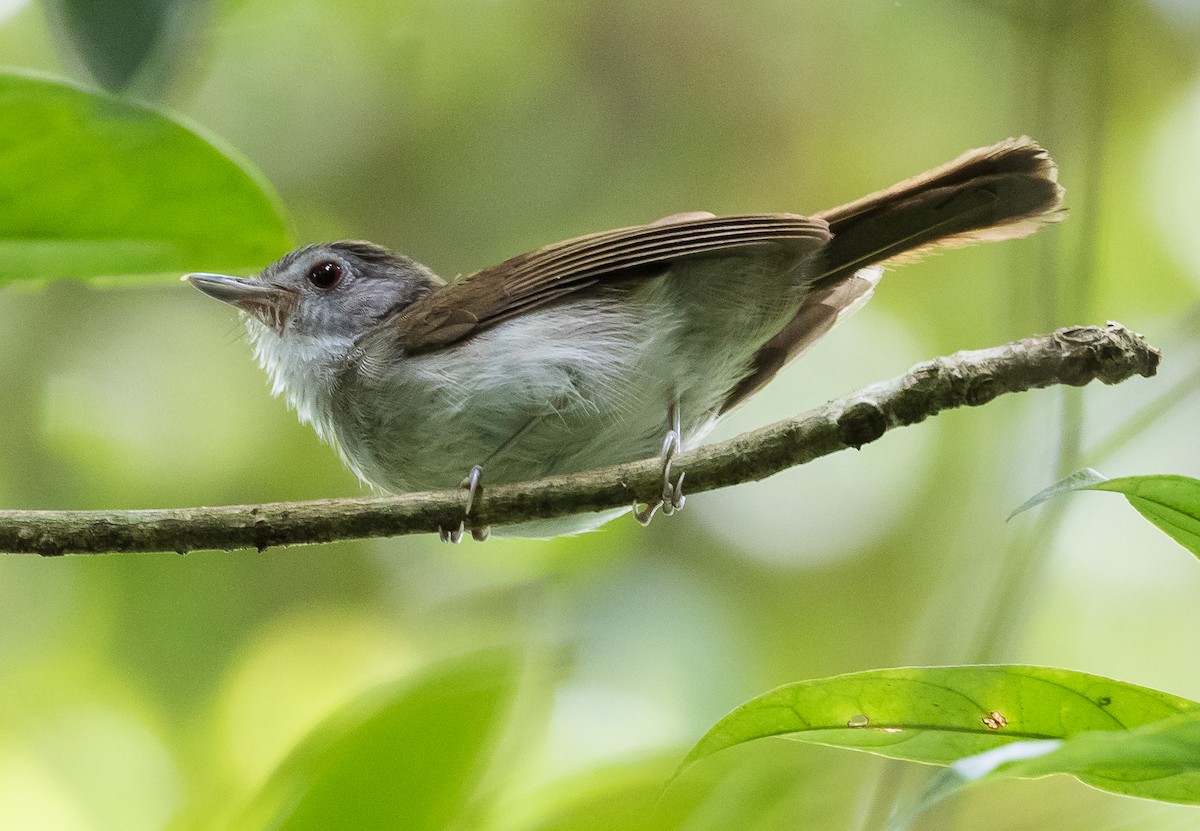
[530,280]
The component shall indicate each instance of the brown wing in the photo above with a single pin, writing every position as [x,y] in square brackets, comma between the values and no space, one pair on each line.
[539,277]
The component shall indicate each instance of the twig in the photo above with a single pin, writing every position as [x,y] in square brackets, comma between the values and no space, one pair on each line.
[1073,356]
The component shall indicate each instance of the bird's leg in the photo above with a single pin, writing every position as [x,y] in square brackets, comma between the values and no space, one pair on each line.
[672,495]
[480,534]
[673,498]
[471,482]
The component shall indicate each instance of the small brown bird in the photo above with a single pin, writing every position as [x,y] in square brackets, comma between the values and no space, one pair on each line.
[598,350]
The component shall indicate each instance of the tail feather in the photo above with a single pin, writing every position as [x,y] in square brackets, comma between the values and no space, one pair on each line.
[1005,191]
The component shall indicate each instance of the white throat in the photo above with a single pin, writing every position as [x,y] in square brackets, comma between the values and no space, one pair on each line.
[302,369]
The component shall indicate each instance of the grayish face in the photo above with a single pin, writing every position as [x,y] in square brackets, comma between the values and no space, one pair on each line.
[306,311]
[335,290]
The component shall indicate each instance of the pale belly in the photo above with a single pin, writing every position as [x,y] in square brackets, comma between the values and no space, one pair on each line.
[559,408]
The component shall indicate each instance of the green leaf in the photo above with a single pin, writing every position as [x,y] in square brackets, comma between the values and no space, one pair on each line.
[92,186]
[967,772]
[1160,760]
[938,715]
[1079,480]
[407,756]
[1171,502]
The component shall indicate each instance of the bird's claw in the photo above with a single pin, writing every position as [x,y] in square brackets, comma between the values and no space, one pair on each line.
[478,533]
[453,535]
[673,498]
[644,515]
[672,494]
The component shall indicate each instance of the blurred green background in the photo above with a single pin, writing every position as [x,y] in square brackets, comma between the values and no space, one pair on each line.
[158,691]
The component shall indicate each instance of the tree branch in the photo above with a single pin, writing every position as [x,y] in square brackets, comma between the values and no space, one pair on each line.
[1073,356]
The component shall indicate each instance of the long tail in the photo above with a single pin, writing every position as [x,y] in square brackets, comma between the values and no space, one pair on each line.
[1005,191]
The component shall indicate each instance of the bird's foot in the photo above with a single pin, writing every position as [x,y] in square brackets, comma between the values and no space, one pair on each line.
[672,494]
[479,533]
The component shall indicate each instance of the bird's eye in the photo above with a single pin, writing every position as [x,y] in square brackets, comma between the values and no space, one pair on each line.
[325,274]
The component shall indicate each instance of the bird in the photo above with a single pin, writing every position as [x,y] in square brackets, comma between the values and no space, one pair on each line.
[602,349]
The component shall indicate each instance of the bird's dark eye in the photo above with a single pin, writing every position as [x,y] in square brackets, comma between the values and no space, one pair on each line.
[325,274]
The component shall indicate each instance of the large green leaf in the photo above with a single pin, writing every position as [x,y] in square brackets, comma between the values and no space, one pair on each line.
[1160,760]
[1171,502]
[93,186]
[408,756]
[938,715]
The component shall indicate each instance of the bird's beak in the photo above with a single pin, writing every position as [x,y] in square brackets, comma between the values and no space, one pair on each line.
[267,302]
[233,290]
